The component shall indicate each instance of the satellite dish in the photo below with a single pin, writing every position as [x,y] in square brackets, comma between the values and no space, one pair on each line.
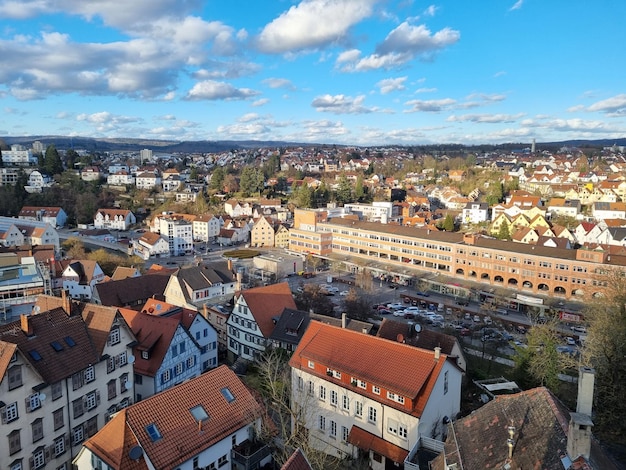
[135,453]
[418,328]
[128,385]
[42,396]
[131,359]
[36,308]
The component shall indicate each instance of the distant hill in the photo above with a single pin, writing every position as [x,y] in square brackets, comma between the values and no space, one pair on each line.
[200,146]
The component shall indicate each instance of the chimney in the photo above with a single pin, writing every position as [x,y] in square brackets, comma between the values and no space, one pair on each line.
[344,320]
[580,424]
[27,328]
[67,302]
[586,379]
[437,353]
[230,264]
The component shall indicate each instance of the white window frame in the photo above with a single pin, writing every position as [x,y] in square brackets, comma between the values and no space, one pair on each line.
[372,415]
[345,403]
[114,336]
[358,409]
[91,400]
[403,432]
[90,374]
[321,423]
[11,412]
[59,446]
[322,393]
[39,458]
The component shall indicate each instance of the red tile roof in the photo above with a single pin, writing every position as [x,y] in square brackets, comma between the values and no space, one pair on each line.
[182,436]
[297,461]
[368,441]
[406,370]
[267,302]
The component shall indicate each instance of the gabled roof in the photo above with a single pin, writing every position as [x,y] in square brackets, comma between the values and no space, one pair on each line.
[425,339]
[297,461]
[122,272]
[73,354]
[182,436]
[267,302]
[290,326]
[153,334]
[406,370]
[540,421]
[99,320]
[130,290]
[6,353]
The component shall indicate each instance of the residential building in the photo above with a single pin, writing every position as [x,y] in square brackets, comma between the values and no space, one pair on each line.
[79,278]
[194,286]
[304,236]
[262,232]
[56,382]
[22,280]
[147,180]
[252,321]
[281,237]
[9,176]
[206,228]
[19,156]
[201,424]
[608,210]
[151,245]
[114,219]
[131,292]
[179,234]
[91,173]
[121,178]
[558,206]
[529,429]
[15,232]
[145,156]
[37,181]
[198,327]
[217,316]
[165,354]
[377,211]
[363,396]
[475,213]
[53,216]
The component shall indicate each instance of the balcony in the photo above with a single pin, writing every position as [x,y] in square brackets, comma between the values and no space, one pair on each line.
[250,455]
[424,450]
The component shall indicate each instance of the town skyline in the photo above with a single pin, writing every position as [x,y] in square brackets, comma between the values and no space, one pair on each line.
[361,73]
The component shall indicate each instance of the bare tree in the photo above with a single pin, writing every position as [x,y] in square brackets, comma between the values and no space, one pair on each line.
[287,432]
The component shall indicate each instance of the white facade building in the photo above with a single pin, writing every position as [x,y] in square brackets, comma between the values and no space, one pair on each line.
[179,234]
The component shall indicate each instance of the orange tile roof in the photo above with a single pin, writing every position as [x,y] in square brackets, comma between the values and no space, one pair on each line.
[6,353]
[99,320]
[182,436]
[297,461]
[399,368]
[368,441]
[153,333]
[267,302]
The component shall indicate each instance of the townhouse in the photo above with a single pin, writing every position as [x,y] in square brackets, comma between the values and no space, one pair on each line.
[206,423]
[79,278]
[254,315]
[368,398]
[63,371]
[150,245]
[165,354]
[114,219]
[178,231]
[206,227]
[193,286]
[54,216]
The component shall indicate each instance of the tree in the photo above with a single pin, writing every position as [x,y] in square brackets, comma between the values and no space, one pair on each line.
[356,306]
[251,181]
[52,163]
[344,190]
[359,190]
[605,350]
[541,359]
[448,223]
[312,298]
[504,232]
[217,178]
[230,184]
[71,157]
[290,413]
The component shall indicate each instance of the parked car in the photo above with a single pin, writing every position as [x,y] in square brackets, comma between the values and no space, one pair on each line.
[411,309]
[398,313]
[395,306]
[409,315]
[343,293]
[384,311]
[488,321]
[570,341]
[462,302]
[468,316]
[477,318]
[579,329]
[423,294]
[465,332]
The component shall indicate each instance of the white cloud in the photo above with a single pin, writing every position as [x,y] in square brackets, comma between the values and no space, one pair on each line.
[403,44]
[341,104]
[431,106]
[279,83]
[260,102]
[615,106]
[517,5]
[431,10]
[312,24]
[213,90]
[585,128]
[388,85]
[426,90]
[486,118]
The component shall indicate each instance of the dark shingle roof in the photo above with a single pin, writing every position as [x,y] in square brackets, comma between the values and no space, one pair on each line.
[130,291]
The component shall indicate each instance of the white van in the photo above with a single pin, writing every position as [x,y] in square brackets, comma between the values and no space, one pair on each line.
[440,308]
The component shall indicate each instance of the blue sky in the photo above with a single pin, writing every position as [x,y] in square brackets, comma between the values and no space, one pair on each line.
[363,72]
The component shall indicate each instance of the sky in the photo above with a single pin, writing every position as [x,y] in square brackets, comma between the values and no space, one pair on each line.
[353,72]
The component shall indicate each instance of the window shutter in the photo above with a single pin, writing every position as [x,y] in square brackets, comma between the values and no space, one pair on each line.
[97,397]
[49,451]
[3,415]
[84,401]
[27,403]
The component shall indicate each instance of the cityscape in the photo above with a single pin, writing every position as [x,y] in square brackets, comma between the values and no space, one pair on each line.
[313,234]
[177,272]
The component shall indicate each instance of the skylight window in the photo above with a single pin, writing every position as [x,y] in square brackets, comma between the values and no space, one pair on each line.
[153,432]
[56,346]
[199,413]
[228,395]
[35,354]
[69,341]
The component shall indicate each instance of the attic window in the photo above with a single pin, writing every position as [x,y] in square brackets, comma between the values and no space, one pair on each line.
[199,413]
[153,432]
[228,395]
[56,346]
[35,354]
[69,341]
